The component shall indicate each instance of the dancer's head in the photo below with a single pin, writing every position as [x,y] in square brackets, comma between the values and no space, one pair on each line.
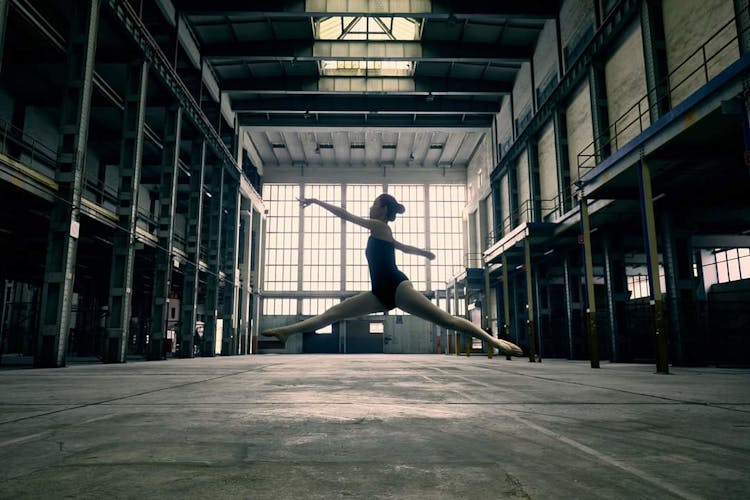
[385,207]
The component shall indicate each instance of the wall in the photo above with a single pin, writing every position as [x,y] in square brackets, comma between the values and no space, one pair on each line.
[688,24]
[505,122]
[545,54]
[413,336]
[625,76]
[478,174]
[575,15]
[580,127]
[547,168]
[522,94]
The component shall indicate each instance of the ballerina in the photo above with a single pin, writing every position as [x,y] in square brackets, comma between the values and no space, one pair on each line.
[390,287]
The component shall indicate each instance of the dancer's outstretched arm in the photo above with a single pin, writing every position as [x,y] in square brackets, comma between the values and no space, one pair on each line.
[343,214]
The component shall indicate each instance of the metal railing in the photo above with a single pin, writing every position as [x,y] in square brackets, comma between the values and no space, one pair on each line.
[25,148]
[638,117]
[528,211]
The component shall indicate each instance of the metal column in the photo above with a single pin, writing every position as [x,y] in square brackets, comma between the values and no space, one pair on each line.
[123,248]
[214,261]
[529,300]
[191,277]
[568,305]
[62,243]
[652,257]
[3,28]
[506,298]
[230,260]
[672,276]
[563,164]
[611,302]
[599,113]
[259,226]
[455,308]
[164,257]
[246,289]
[588,264]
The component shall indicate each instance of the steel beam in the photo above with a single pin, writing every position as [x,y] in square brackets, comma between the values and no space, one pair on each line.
[351,50]
[436,9]
[568,305]
[611,300]
[191,275]
[62,246]
[591,327]
[379,103]
[370,120]
[652,256]
[163,261]
[672,278]
[361,85]
[123,248]
[214,228]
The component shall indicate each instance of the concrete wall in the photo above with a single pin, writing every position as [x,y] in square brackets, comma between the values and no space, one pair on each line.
[625,75]
[547,168]
[580,127]
[478,173]
[688,24]
[505,122]
[524,188]
[522,93]
[413,336]
[545,54]
[575,15]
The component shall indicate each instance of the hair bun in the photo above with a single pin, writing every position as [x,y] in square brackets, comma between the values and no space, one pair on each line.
[400,209]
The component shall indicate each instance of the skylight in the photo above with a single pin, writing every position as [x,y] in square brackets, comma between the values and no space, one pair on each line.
[373,29]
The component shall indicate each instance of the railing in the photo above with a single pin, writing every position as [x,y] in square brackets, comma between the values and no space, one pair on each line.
[638,117]
[25,148]
[101,191]
[526,212]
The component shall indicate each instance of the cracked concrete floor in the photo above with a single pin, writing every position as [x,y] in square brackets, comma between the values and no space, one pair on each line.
[373,426]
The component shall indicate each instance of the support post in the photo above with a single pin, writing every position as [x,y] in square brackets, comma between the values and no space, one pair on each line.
[655,58]
[652,257]
[529,300]
[486,307]
[455,309]
[214,261]
[506,301]
[563,164]
[611,301]
[599,111]
[259,254]
[246,289]
[191,279]
[568,305]
[123,248]
[591,329]
[164,255]
[62,242]
[230,262]
[742,20]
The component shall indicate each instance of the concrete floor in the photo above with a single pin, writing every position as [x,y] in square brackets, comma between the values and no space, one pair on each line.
[373,426]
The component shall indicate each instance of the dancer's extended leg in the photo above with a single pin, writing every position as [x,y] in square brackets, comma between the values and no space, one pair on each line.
[359,305]
[413,302]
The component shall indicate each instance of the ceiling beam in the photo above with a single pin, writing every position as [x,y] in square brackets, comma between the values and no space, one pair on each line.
[365,85]
[436,9]
[346,50]
[366,120]
[377,103]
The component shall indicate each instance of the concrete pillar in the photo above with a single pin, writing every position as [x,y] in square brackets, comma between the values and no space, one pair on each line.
[455,309]
[591,329]
[742,20]
[164,257]
[563,165]
[568,305]
[506,299]
[530,317]
[230,262]
[652,256]
[3,27]
[599,112]
[123,248]
[62,242]
[655,58]
[538,313]
[191,279]
[611,272]
[214,226]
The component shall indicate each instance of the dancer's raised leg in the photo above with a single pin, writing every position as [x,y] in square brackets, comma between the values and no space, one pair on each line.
[413,302]
[359,305]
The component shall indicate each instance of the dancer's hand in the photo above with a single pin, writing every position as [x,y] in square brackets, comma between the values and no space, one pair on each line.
[429,255]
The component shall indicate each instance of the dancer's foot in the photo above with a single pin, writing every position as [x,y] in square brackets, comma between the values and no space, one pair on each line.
[508,347]
[281,336]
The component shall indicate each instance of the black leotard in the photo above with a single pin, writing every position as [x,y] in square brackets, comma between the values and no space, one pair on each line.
[385,276]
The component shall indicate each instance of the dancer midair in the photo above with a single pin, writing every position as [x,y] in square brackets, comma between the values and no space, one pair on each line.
[390,287]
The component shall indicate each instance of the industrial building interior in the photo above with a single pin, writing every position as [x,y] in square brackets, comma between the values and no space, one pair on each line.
[580,169]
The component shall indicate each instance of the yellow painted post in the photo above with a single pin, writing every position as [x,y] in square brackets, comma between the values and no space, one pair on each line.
[590,298]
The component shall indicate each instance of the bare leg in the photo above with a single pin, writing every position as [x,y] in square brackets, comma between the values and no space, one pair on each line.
[359,305]
[413,302]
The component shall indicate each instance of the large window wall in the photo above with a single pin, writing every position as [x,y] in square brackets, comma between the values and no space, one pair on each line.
[311,250]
